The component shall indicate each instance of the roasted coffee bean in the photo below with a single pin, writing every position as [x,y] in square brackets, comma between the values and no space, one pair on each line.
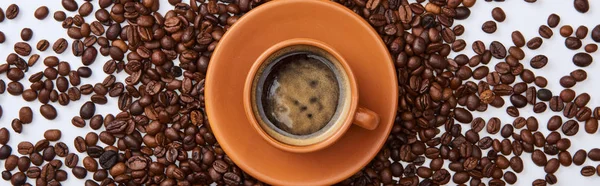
[498,14]
[567,81]
[60,45]
[108,159]
[69,5]
[534,43]
[581,32]
[498,50]
[25,115]
[518,39]
[87,110]
[41,12]
[581,5]
[48,111]
[489,27]
[570,128]
[539,158]
[94,151]
[512,111]
[518,100]
[594,154]
[26,34]
[89,56]
[579,75]
[52,134]
[579,157]
[59,16]
[582,59]
[545,31]
[12,11]
[591,126]
[573,43]
[588,171]
[596,33]
[22,48]
[79,172]
[591,48]
[553,20]
[17,125]
[2,37]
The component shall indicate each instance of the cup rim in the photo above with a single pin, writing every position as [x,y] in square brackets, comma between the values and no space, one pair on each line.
[347,120]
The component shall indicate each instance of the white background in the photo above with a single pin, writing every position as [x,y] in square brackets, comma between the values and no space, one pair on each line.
[522,16]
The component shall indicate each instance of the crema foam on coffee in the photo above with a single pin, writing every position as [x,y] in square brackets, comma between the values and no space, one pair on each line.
[301,93]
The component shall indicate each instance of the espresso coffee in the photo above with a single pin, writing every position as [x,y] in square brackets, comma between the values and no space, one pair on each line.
[300,93]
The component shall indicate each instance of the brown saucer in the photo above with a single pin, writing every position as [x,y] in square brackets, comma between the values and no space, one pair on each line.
[281,20]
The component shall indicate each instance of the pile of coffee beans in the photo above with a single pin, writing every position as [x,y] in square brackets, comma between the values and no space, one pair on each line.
[161,136]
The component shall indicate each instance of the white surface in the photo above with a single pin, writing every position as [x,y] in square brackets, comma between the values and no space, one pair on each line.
[521,16]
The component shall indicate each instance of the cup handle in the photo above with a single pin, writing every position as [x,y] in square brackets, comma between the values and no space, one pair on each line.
[366,118]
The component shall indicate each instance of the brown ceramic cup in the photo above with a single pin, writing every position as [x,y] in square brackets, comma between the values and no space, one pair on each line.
[347,111]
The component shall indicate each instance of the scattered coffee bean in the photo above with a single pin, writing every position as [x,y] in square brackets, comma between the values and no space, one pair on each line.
[581,5]
[12,11]
[553,20]
[489,27]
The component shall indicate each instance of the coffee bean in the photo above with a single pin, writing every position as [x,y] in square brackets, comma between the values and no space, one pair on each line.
[581,32]
[22,48]
[25,115]
[582,59]
[538,157]
[534,43]
[15,88]
[86,9]
[552,166]
[108,159]
[94,151]
[79,172]
[90,164]
[41,12]
[591,126]
[17,125]
[579,75]
[512,111]
[553,20]
[545,31]
[12,11]
[69,5]
[518,100]
[89,56]
[518,39]
[2,37]
[594,154]
[5,151]
[87,110]
[498,14]
[588,171]
[26,34]
[71,160]
[60,45]
[48,111]
[579,157]
[570,128]
[567,81]
[591,48]
[59,16]
[18,178]
[573,43]
[596,33]
[2,16]
[489,27]
[498,50]
[581,5]
[25,148]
